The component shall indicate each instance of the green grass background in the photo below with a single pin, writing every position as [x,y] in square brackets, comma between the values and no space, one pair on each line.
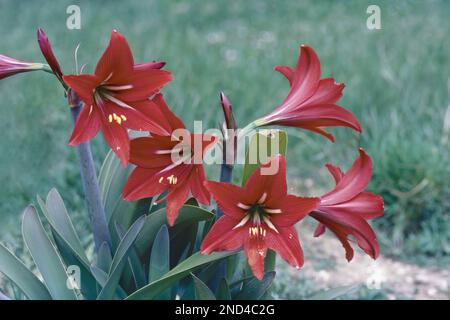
[397,84]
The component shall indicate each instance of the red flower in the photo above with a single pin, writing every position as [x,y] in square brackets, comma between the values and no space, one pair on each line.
[116,98]
[10,66]
[311,101]
[156,172]
[259,216]
[346,209]
[46,49]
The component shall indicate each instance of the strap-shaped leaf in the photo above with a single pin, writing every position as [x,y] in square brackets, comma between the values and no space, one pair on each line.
[119,260]
[159,263]
[202,292]
[156,219]
[102,279]
[59,219]
[104,258]
[254,289]
[25,280]
[223,291]
[45,256]
[180,271]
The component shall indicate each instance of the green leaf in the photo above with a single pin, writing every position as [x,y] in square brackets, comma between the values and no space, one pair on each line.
[67,241]
[104,258]
[202,292]
[16,271]
[45,256]
[159,259]
[180,271]
[263,145]
[156,219]
[112,178]
[334,293]
[254,289]
[59,219]
[119,260]
[102,278]
[223,291]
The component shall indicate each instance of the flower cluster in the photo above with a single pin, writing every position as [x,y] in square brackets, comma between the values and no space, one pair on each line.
[261,215]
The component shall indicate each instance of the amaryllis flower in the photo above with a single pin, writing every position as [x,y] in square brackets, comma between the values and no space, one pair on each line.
[47,52]
[116,98]
[169,164]
[10,66]
[346,209]
[311,101]
[259,216]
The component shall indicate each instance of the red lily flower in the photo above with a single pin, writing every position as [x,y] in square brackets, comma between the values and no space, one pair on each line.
[116,98]
[311,101]
[156,172]
[259,216]
[10,66]
[346,209]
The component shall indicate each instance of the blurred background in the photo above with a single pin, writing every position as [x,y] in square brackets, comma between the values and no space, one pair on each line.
[397,84]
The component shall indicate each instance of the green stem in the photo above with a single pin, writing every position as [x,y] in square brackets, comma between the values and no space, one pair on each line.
[91,190]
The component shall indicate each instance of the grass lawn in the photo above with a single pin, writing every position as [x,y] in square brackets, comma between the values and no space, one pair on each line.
[397,84]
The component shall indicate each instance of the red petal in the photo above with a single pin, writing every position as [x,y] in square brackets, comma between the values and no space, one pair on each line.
[326,134]
[175,200]
[141,116]
[142,183]
[271,182]
[117,138]
[172,119]
[287,72]
[149,65]
[352,183]
[228,196]
[144,151]
[116,63]
[145,82]
[222,236]
[287,245]
[256,250]
[305,79]
[366,204]
[328,92]
[335,171]
[198,189]
[320,230]
[343,224]
[84,85]
[293,210]
[86,127]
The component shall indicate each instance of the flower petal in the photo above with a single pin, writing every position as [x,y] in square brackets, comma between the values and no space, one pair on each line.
[353,182]
[149,65]
[228,196]
[175,200]
[222,236]
[287,72]
[198,189]
[117,138]
[287,245]
[86,127]
[172,118]
[145,152]
[116,63]
[366,204]
[293,210]
[328,92]
[145,83]
[256,250]
[269,179]
[84,85]
[142,183]
[335,171]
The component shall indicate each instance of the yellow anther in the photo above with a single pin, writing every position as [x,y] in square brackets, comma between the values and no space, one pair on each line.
[172,179]
[118,120]
[114,116]
[161,179]
[123,117]
[110,118]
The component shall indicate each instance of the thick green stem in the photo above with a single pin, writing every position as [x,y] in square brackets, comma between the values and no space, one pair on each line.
[91,190]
